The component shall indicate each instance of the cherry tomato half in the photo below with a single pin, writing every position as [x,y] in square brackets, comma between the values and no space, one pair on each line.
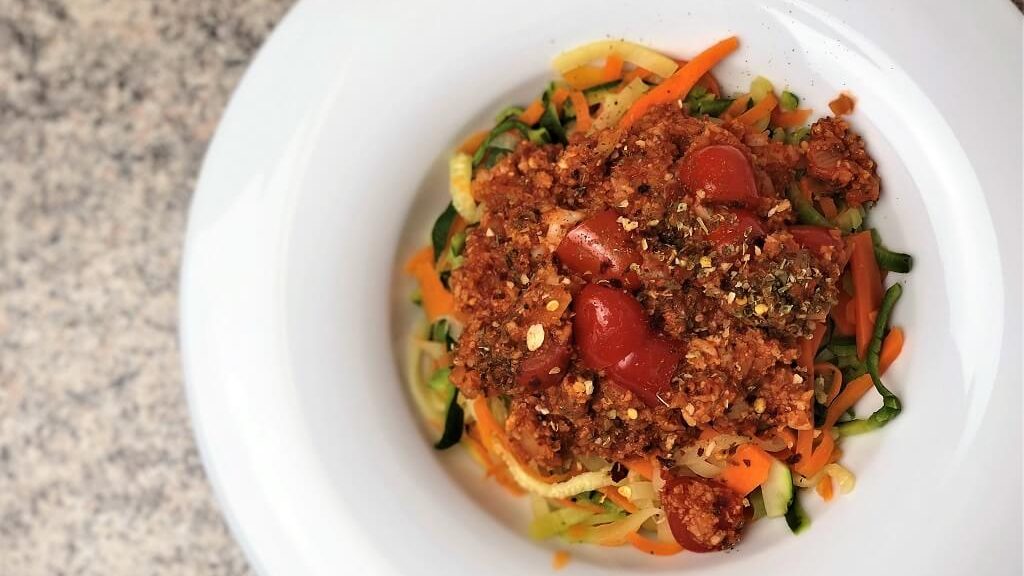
[703,513]
[608,325]
[815,238]
[535,371]
[744,225]
[723,172]
[601,247]
[648,369]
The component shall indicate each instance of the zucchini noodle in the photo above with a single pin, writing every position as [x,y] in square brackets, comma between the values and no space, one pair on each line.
[615,104]
[633,53]
[460,176]
[578,484]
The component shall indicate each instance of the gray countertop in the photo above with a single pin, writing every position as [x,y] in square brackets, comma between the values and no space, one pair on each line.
[106,109]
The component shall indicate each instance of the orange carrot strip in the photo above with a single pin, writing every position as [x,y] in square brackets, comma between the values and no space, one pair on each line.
[641,467]
[738,106]
[584,77]
[560,560]
[532,114]
[791,119]
[819,457]
[747,469]
[653,547]
[641,73]
[853,392]
[437,300]
[582,109]
[824,488]
[804,443]
[837,379]
[844,326]
[612,494]
[828,207]
[760,111]
[891,348]
[867,287]
[707,81]
[680,83]
[843,104]
[612,68]
[559,97]
[809,348]
[472,142]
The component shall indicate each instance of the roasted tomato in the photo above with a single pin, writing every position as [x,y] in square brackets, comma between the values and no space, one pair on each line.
[608,325]
[600,247]
[722,172]
[704,514]
[648,369]
[539,369]
[742,225]
[815,238]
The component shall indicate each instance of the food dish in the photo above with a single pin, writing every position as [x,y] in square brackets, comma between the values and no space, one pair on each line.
[295,305]
[658,303]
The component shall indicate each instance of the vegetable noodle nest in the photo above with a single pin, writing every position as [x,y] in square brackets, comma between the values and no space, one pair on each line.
[651,307]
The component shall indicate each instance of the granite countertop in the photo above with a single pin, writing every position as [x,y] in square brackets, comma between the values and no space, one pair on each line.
[106,108]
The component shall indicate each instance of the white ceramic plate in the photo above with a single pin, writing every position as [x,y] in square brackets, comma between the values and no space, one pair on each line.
[328,168]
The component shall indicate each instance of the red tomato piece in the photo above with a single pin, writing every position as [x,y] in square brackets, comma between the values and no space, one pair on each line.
[745,225]
[704,514]
[722,172]
[599,246]
[815,238]
[535,370]
[609,324]
[648,369]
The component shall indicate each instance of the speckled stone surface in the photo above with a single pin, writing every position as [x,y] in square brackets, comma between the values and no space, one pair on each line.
[106,109]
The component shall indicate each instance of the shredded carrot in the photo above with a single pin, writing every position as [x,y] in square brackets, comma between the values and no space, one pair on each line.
[641,73]
[809,348]
[582,109]
[707,81]
[760,111]
[584,77]
[824,488]
[844,326]
[499,472]
[747,469]
[612,494]
[437,300]
[891,348]
[804,443]
[837,454]
[559,97]
[843,104]
[867,287]
[828,207]
[580,505]
[532,114]
[612,68]
[560,560]
[642,467]
[471,143]
[679,84]
[791,119]
[738,106]
[854,391]
[787,436]
[819,457]
[653,547]
[837,379]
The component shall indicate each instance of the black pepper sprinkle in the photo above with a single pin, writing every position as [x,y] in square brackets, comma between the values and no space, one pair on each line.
[619,472]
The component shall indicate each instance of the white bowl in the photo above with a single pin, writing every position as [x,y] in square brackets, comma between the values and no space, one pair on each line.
[328,168]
